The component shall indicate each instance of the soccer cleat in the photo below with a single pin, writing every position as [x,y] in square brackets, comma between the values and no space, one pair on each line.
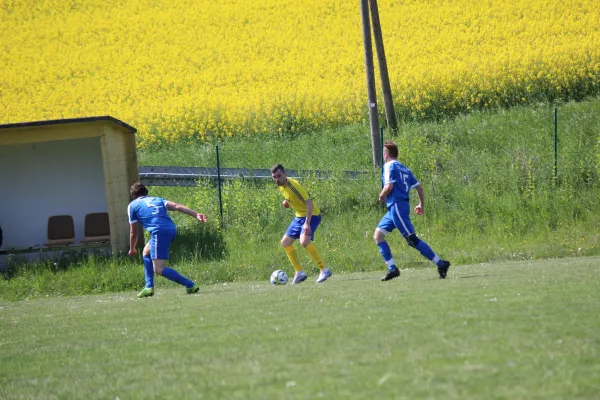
[193,289]
[326,273]
[394,273]
[443,270]
[299,277]
[147,292]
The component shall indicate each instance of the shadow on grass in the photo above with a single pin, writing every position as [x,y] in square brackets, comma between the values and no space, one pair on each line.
[363,278]
[198,242]
[472,276]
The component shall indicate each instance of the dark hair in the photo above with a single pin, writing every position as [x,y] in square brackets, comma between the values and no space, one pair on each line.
[392,148]
[138,190]
[276,167]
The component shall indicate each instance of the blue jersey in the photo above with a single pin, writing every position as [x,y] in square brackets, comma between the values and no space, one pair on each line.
[152,213]
[403,180]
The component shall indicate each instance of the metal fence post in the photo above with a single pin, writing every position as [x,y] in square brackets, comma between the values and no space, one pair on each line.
[219,185]
[555,145]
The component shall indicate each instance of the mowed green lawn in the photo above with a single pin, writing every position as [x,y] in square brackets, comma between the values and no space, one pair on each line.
[517,330]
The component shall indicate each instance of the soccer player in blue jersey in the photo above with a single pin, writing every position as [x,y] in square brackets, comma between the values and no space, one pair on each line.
[398,180]
[151,213]
[303,226]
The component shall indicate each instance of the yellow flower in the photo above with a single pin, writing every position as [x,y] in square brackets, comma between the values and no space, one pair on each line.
[212,69]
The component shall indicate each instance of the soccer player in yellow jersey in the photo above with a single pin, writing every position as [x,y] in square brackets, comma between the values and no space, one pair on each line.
[304,225]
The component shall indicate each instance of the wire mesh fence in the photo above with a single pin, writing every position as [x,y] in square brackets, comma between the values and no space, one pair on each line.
[548,151]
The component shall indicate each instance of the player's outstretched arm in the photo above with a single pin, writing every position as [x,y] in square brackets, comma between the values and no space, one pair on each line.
[172,206]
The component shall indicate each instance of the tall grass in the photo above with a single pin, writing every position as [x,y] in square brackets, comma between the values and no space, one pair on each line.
[489,180]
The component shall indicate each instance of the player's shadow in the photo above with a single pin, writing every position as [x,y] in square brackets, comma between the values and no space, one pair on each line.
[198,241]
[361,278]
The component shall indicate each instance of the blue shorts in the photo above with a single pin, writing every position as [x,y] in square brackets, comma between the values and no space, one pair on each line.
[295,228]
[160,243]
[398,216]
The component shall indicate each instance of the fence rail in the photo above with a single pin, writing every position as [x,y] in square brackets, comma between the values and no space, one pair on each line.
[188,176]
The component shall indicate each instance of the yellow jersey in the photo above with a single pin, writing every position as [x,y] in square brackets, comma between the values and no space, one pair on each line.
[297,195]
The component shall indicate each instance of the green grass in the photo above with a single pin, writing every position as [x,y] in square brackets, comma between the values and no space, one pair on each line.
[238,256]
[512,330]
[489,185]
[523,134]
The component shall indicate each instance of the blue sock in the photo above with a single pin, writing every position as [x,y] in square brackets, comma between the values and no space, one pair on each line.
[386,253]
[174,276]
[149,272]
[426,251]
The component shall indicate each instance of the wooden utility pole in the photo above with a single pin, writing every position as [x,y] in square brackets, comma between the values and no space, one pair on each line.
[388,102]
[371,93]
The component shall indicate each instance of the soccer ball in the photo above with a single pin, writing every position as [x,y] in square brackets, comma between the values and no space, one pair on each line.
[279,277]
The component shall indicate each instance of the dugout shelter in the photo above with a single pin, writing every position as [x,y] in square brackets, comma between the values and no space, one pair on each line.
[57,176]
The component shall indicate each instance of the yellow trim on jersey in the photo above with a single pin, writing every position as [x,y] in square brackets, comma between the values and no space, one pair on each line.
[297,195]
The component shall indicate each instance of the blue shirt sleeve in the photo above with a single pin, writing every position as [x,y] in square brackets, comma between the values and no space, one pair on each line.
[389,173]
[412,181]
[131,213]
[164,204]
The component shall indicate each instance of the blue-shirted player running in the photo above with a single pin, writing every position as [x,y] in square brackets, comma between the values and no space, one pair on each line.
[151,213]
[398,180]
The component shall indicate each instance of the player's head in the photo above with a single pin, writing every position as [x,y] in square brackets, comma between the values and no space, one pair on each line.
[138,190]
[390,150]
[278,174]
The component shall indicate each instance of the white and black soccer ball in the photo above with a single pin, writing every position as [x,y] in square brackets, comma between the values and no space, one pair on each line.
[279,277]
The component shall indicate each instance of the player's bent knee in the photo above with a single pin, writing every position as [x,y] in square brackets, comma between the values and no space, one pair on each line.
[378,236]
[412,240]
[158,270]
[304,240]
[287,241]
[159,265]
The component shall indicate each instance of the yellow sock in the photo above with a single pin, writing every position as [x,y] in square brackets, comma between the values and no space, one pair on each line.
[293,256]
[315,255]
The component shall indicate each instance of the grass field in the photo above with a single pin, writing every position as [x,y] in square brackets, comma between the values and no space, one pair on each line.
[517,330]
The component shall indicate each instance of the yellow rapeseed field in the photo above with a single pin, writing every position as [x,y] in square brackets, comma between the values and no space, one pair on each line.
[203,69]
